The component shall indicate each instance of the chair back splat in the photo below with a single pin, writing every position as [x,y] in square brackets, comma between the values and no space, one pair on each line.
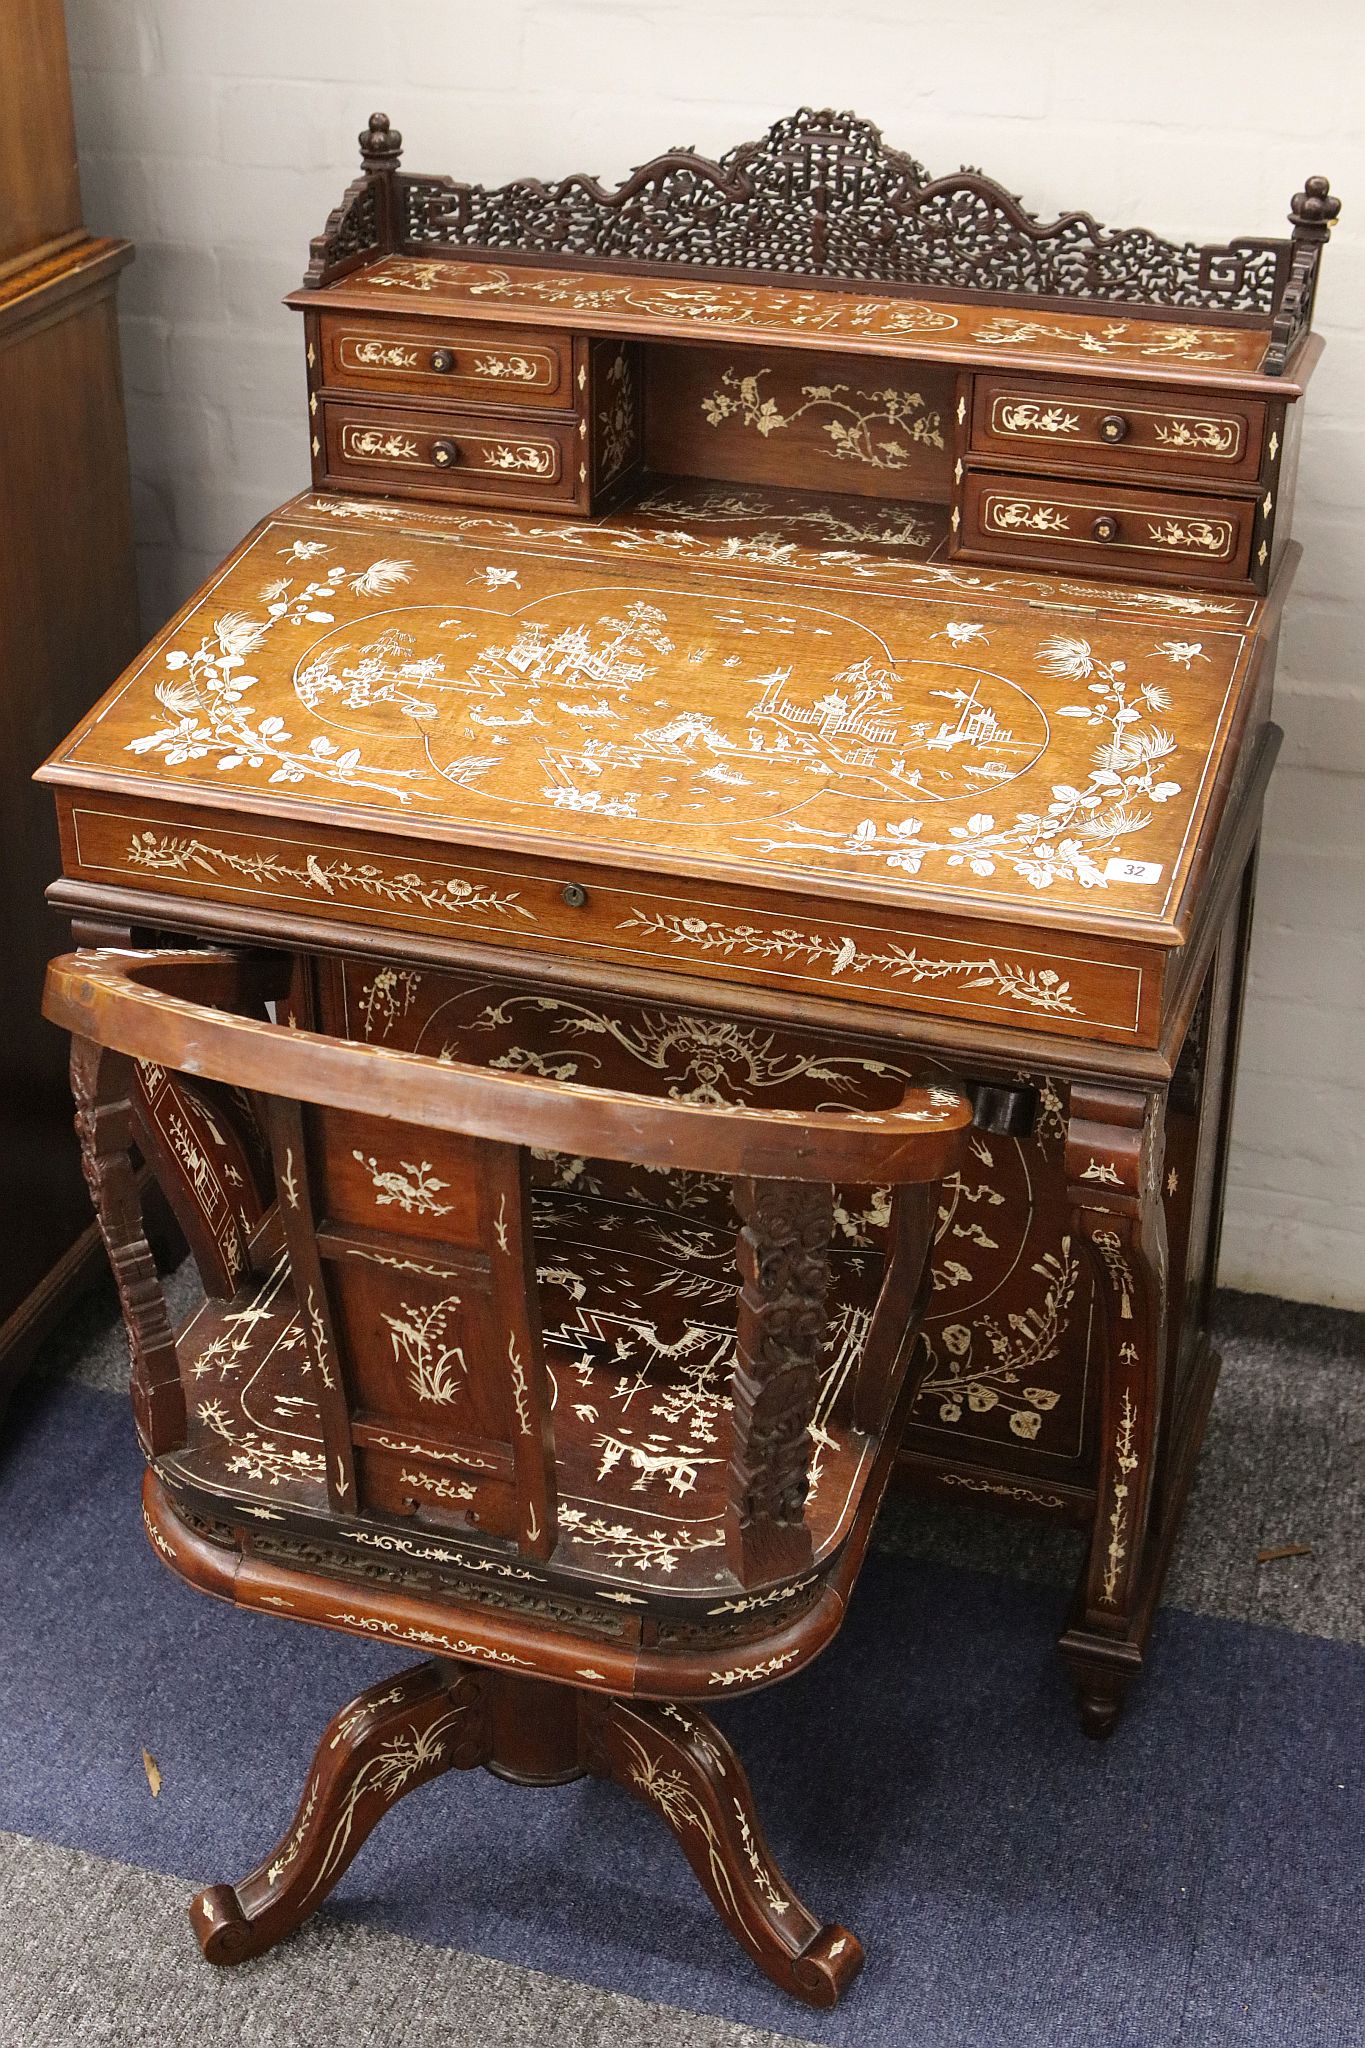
[385,1418]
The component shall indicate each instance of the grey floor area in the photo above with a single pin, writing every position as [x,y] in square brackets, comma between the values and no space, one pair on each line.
[96,1951]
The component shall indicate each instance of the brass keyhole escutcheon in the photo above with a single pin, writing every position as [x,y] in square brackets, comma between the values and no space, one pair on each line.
[443,360]
[1113,427]
[444,454]
[1106,527]
[574,894]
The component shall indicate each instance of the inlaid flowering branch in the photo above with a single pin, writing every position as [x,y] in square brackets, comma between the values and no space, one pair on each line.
[857,430]
[204,690]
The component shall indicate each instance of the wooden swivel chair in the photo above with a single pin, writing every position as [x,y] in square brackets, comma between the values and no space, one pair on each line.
[375,1423]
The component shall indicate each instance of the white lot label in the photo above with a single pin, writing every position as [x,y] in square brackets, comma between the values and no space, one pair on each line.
[1141,871]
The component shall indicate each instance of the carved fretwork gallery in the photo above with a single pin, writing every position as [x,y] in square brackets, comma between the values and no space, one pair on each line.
[773,653]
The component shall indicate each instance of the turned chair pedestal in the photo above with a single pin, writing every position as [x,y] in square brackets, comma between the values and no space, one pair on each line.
[442,1716]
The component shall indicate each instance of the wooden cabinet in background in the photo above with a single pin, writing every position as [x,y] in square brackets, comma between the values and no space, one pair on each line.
[68,623]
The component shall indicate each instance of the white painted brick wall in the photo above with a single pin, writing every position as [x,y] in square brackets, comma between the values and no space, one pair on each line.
[218,133]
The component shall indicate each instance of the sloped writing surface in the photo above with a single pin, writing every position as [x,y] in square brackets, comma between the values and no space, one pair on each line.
[697,691]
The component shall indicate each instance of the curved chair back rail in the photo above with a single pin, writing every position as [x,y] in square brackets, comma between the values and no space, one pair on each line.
[161,1007]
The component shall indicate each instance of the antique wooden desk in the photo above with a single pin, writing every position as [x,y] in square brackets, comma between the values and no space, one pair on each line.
[782,621]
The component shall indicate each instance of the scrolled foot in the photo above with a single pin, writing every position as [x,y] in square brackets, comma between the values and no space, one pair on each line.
[676,1760]
[221,1928]
[826,1969]
[390,1739]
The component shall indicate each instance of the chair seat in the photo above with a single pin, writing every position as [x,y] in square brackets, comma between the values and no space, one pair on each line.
[637,1308]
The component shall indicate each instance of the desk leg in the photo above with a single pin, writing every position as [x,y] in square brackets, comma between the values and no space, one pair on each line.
[1115,1144]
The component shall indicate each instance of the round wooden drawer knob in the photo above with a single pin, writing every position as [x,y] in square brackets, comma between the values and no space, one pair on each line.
[1106,527]
[444,454]
[1113,427]
[443,360]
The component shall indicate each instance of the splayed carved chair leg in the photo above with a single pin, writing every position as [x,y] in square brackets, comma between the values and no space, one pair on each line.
[675,1759]
[391,1738]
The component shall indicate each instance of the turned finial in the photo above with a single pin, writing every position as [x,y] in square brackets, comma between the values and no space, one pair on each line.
[381,145]
[1312,211]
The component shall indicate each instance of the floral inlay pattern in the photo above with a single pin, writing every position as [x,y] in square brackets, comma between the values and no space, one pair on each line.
[878,428]
[1083,820]
[793,727]
[435,1368]
[371,354]
[1125,1457]
[514,369]
[618,422]
[1113,338]
[599,298]
[258,1457]
[637,1550]
[1042,989]
[373,444]
[413,1189]
[1014,515]
[164,854]
[981,1366]
[205,692]
[1204,536]
[1207,436]
[386,998]
[1026,416]
[528,458]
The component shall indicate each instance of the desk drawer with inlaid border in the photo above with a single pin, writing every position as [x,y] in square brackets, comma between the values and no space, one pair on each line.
[499,367]
[290,881]
[472,457]
[1114,429]
[1106,529]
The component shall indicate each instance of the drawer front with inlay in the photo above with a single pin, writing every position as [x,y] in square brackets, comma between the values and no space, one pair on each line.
[1106,529]
[493,366]
[453,455]
[1116,428]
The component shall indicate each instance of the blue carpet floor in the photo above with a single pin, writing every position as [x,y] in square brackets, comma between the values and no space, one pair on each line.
[1196,1881]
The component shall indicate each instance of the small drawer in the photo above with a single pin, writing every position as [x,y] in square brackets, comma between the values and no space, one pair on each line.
[1106,529]
[1117,428]
[477,366]
[473,458]
[445,1494]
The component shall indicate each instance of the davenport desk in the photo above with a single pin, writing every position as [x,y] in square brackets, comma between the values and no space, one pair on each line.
[781,623]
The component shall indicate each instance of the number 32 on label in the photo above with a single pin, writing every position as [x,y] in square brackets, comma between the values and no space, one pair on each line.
[1144,872]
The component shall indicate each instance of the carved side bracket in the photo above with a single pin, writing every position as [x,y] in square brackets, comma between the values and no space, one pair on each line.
[362,226]
[1311,214]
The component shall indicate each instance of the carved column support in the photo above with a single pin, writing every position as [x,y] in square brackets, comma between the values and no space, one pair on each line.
[783,1259]
[676,1760]
[102,1084]
[1114,1148]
